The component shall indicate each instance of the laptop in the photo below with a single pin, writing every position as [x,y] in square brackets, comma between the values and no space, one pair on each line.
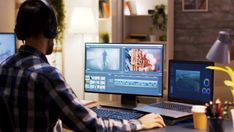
[189,83]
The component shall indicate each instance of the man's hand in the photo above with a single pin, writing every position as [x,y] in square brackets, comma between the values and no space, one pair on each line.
[152,120]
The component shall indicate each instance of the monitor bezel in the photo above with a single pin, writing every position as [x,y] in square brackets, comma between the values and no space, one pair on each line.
[208,63]
[114,93]
[11,33]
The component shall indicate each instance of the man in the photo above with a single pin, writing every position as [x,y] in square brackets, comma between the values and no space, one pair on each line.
[47,97]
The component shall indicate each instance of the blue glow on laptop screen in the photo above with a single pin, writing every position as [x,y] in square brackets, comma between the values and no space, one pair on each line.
[124,68]
[190,80]
[7,45]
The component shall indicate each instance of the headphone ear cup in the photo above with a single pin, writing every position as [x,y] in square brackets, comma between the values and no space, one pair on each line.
[46,30]
[50,29]
[19,32]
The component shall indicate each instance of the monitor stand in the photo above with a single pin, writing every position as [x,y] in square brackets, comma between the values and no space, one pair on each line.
[128,100]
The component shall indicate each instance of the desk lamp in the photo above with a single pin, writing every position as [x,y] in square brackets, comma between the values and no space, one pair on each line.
[220,53]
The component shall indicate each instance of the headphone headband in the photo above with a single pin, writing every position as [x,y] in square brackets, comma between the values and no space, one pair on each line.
[30,23]
[45,2]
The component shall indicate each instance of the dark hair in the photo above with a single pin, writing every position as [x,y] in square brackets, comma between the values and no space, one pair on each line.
[35,17]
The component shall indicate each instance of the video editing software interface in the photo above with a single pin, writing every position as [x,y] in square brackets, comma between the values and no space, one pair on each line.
[190,80]
[7,45]
[123,68]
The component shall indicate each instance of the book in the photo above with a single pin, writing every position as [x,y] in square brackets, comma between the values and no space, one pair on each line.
[89,103]
[130,7]
[106,9]
[101,15]
[126,9]
[138,36]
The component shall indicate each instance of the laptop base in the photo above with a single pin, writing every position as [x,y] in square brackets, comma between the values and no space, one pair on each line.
[173,121]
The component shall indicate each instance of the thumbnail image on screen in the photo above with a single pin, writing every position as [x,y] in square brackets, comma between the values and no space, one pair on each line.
[187,79]
[7,45]
[103,59]
[123,68]
[147,60]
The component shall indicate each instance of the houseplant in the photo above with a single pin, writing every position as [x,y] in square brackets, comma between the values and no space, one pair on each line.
[60,10]
[159,19]
[56,58]
[104,37]
[230,72]
[229,83]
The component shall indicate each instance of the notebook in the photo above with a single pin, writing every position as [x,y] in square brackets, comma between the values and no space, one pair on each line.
[189,83]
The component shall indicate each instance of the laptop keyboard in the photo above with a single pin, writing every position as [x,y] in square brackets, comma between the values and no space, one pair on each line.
[170,106]
[118,114]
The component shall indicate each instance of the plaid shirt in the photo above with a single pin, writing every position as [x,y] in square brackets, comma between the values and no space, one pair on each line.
[47,97]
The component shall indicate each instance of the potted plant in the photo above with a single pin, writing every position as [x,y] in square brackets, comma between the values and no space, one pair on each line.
[104,37]
[230,72]
[60,10]
[229,83]
[159,20]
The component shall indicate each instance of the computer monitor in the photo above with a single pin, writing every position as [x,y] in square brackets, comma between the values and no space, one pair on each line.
[127,69]
[7,45]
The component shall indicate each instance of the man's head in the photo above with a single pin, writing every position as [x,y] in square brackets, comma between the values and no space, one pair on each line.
[36,18]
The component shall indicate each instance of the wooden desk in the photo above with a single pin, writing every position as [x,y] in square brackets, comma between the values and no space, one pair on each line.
[183,127]
[180,127]
[188,127]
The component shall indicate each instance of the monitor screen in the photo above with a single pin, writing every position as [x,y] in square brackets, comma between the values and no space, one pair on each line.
[190,81]
[123,68]
[7,45]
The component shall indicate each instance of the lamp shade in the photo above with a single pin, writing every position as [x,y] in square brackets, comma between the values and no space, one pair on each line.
[83,21]
[219,52]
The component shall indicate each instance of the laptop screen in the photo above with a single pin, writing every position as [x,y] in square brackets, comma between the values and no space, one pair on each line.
[190,81]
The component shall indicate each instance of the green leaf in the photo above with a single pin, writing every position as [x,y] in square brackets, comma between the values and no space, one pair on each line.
[59,7]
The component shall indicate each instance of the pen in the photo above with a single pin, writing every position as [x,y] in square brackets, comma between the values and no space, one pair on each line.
[214,110]
[208,110]
[218,108]
[225,108]
[218,103]
[211,109]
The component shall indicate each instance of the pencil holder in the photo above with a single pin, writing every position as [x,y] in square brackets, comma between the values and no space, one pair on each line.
[215,125]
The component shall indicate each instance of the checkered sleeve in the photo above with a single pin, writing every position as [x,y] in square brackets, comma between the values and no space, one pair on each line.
[76,116]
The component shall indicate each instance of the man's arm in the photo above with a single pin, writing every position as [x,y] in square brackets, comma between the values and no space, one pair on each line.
[77,117]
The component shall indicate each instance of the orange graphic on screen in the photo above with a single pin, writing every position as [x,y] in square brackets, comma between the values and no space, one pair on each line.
[143,61]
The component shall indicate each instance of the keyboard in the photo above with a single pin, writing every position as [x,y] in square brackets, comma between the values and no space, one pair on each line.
[118,114]
[171,106]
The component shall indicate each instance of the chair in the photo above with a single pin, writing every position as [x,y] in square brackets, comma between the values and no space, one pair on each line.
[6,120]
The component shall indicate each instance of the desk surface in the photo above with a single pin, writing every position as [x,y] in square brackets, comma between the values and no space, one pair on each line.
[182,127]
[188,127]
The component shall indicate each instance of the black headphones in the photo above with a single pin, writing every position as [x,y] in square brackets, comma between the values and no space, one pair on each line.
[35,17]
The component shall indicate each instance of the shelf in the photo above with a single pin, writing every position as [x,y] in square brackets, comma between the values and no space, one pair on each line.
[137,15]
[104,19]
[164,42]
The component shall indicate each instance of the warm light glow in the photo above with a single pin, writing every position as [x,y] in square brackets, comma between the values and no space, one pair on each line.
[83,21]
